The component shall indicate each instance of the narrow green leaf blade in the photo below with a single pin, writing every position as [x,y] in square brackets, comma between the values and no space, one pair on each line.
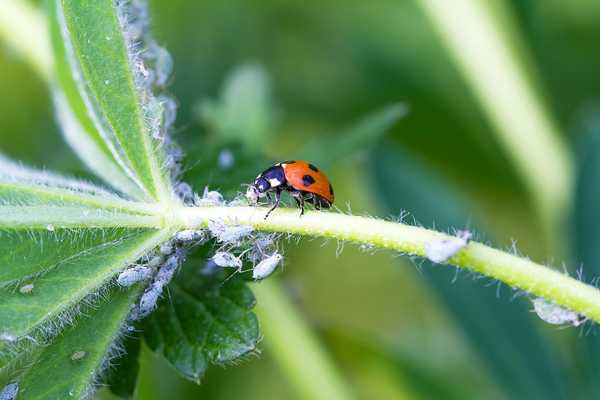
[68,367]
[586,226]
[244,111]
[499,330]
[206,321]
[367,132]
[127,116]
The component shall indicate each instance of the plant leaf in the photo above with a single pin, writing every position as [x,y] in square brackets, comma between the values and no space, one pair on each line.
[124,113]
[205,321]
[504,337]
[77,127]
[61,241]
[325,150]
[244,111]
[68,366]
[122,376]
[586,214]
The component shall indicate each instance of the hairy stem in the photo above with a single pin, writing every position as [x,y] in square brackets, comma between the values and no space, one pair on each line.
[517,272]
[296,349]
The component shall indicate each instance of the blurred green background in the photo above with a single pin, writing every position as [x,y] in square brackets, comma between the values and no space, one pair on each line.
[395,329]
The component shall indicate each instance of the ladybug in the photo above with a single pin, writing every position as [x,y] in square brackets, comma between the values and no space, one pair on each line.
[301,179]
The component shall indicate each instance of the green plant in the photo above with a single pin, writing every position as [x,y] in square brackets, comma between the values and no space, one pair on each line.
[67,243]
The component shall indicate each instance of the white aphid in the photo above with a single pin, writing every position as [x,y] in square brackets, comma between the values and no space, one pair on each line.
[555,314]
[149,300]
[441,250]
[252,195]
[26,289]
[166,249]
[78,355]
[164,275]
[9,392]
[262,245]
[225,259]
[133,275]
[226,159]
[189,235]
[155,262]
[228,233]
[185,192]
[266,266]
[210,198]
[7,337]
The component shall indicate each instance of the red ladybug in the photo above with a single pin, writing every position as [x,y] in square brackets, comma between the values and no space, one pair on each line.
[301,179]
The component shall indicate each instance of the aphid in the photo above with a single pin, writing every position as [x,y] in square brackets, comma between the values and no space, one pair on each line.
[301,179]
[133,275]
[9,392]
[166,249]
[439,251]
[555,314]
[7,337]
[26,289]
[266,266]
[231,234]
[78,355]
[210,198]
[189,235]
[225,259]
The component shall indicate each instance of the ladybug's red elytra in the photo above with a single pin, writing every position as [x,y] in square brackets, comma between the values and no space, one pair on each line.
[301,179]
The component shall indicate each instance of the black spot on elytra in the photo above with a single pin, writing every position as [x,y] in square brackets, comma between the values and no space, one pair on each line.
[308,180]
[288,162]
[330,189]
[313,167]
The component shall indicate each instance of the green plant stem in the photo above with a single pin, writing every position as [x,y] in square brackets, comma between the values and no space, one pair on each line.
[476,33]
[23,28]
[517,272]
[295,348]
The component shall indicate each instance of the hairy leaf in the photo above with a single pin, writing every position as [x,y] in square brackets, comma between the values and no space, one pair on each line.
[68,366]
[107,74]
[77,127]
[122,376]
[205,321]
[61,241]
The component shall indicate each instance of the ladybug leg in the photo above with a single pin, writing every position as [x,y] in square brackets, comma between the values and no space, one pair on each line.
[277,199]
[269,197]
[300,202]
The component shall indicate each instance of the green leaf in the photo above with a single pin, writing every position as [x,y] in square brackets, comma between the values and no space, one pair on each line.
[122,376]
[77,127]
[325,150]
[205,321]
[61,241]
[586,217]
[68,366]
[499,330]
[108,76]
[244,111]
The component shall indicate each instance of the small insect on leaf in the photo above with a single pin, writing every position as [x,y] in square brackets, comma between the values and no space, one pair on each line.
[266,266]
[9,392]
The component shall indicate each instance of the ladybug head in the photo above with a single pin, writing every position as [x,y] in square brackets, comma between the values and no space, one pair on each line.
[261,184]
[257,189]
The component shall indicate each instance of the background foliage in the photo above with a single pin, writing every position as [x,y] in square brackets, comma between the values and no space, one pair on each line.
[394,329]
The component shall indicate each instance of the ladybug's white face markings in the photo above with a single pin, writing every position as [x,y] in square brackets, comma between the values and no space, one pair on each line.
[274,182]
